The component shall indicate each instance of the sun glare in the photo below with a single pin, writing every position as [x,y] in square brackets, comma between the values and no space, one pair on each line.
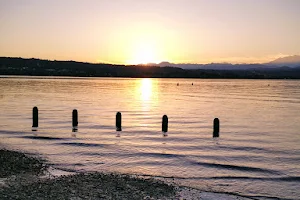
[146,89]
[144,52]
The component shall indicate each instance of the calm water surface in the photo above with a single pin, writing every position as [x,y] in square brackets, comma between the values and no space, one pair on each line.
[257,154]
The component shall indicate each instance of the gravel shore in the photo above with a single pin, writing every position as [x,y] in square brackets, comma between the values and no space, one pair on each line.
[24,176]
[14,163]
[21,179]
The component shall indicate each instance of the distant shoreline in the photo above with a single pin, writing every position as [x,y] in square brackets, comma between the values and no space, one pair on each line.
[85,78]
[37,67]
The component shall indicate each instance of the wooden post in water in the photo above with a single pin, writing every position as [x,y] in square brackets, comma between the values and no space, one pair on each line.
[165,124]
[216,127]
[75,119]
[119,121]
[35,117]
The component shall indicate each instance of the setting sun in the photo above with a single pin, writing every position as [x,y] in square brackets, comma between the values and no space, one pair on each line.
[144,51]
[144,55]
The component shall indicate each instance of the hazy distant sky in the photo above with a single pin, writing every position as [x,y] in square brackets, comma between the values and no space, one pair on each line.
[133,31]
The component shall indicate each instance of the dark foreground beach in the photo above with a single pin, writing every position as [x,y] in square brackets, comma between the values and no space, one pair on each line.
[23,181]
[24,176]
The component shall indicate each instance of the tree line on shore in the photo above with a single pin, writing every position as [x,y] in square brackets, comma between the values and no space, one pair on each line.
[39,67]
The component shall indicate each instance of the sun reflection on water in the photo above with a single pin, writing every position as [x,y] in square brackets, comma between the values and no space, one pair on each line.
[146,93]
[146,89]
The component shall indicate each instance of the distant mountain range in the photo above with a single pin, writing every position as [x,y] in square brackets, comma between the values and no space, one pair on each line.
[277,69]
[289,61]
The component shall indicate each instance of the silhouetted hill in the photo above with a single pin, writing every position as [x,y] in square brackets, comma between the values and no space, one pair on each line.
[38,67]
[215,66]
[290,61]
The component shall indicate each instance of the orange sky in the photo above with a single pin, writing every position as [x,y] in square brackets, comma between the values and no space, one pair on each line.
[133,31]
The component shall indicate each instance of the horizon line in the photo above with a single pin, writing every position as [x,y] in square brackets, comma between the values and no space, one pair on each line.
[150,64]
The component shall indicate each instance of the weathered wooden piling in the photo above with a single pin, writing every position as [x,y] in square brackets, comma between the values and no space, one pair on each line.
[75,118]
[216,127]
[165,124]
[35,117]
[119,121]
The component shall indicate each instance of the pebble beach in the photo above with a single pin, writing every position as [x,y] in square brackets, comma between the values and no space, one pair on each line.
[27,176]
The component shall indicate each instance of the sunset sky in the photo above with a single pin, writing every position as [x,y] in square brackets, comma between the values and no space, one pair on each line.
[142,31]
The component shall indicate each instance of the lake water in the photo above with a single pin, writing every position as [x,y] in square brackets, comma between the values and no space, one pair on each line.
[256,155]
